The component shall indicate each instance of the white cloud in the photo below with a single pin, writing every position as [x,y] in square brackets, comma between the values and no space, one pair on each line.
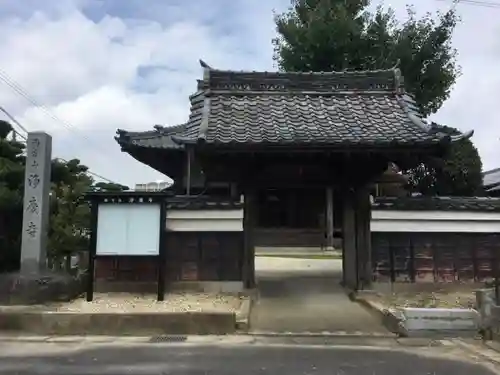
[100,67]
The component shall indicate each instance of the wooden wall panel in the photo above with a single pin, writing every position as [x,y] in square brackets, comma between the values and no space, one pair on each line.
[435,257]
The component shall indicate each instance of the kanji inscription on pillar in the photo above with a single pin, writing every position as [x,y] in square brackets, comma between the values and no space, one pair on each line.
[36,201]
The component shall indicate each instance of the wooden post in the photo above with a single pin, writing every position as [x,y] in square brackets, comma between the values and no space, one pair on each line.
[248,240]
[363,236]
[233,191]
[350,271]
[329,218]
[94,215]
[162,253]
[188,171]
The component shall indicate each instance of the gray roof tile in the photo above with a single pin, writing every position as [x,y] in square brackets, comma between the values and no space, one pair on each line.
[202,203]
[161,137]
[334,109]
[488,204]
[306,119]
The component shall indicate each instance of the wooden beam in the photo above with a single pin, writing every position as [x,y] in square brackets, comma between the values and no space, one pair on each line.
[249,220]
[189,157]
[329,218]
[94,214]
[363,236]
[350,264]
[162,253]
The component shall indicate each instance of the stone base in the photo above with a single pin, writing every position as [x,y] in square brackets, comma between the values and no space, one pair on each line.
[39,288]
[105,286]
[118,324]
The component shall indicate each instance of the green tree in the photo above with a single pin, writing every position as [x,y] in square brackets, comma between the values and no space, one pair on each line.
[459,174]
[11,198]
[70,214]
[335,35]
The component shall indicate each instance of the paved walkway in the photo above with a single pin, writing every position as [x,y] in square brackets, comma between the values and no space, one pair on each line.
[304,295]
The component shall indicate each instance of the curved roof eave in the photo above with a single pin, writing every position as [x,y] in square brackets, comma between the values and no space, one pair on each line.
[159,138]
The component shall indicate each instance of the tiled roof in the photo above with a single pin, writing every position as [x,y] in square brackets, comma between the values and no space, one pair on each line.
[334,109]
[285,119]
[492,177]
[484,204]
[330,109]
[161,137]
[202,203]
[438,203]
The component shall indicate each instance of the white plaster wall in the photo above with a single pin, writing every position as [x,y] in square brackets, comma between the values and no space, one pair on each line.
[382,221]
[435,221]
[205,220]
[432,319]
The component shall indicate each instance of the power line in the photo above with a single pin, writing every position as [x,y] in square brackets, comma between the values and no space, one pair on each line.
[13,119]
[478,3]
[92,173]
[4,77]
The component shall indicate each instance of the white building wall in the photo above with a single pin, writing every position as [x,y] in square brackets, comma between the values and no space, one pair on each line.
[382,221]
[435,221]
[205,220]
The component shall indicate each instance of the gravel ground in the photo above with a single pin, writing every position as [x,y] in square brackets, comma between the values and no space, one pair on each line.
[140,303]
[438,299]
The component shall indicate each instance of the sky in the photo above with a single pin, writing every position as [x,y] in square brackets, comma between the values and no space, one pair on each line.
[80,69]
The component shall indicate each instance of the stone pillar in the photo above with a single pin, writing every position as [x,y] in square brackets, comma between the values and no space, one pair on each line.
[329,219]
[36,202]
[485,304]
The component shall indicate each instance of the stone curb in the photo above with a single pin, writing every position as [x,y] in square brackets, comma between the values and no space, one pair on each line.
[388,319]
[190,339]
[243,315]
[480,349]
[321,334]
[22,323]
[492,345]
[70,339]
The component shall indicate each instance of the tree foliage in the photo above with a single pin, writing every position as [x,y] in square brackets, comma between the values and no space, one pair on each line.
[11,198]
[337,35]
[69,213]
[459,174]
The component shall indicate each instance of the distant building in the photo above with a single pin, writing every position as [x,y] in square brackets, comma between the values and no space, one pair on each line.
[152,186]
[491,182]
[392,183]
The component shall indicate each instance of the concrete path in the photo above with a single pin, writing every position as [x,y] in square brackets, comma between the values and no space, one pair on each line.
[304,295]
[231,356]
